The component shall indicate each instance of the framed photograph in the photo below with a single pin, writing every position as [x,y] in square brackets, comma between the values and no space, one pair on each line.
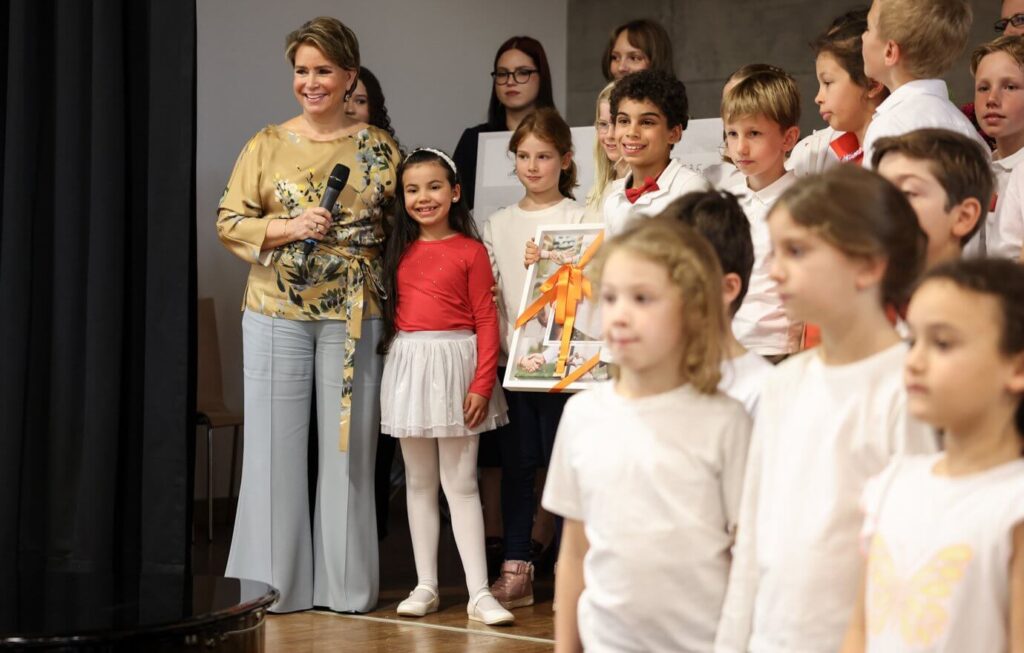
[556,345]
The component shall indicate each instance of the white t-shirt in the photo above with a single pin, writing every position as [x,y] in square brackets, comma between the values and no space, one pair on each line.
[674,181]
[761,324]
[939,550]
[918,104]
[813,154]
[505,235]
[656,482]
[742,378]
[987,240]
[821,432]
[1005,232]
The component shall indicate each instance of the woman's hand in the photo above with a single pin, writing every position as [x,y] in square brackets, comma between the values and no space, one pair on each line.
[532,254]
[474,409]
[311,223]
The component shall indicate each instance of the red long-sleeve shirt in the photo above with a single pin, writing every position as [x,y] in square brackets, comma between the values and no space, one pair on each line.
[445,285]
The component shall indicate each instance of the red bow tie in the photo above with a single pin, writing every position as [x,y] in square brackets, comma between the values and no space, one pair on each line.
[633,194]
[847,148]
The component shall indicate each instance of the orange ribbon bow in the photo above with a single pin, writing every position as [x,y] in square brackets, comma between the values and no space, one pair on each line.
[565,288]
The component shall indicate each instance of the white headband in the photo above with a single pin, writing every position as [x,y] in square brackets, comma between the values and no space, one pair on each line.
[447,159]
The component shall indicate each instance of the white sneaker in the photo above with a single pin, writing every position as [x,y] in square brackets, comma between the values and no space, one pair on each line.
[486,609]
[415,608]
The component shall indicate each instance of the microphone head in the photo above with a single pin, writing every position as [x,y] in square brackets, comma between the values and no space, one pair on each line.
[339,177]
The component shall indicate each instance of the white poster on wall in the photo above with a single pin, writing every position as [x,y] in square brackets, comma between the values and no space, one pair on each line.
[497,185]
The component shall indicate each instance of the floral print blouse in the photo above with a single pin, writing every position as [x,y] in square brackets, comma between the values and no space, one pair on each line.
[278,175]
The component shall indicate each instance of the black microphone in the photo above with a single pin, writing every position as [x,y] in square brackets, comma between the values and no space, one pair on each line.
[337,181]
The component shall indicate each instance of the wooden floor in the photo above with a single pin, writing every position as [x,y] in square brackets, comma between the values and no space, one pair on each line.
[449,630]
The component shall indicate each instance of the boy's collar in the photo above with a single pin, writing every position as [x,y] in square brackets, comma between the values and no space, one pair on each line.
[935,87]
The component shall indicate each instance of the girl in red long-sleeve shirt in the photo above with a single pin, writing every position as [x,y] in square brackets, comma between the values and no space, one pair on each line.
[437,393]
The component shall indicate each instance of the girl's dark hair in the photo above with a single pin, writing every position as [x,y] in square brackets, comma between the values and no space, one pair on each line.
[532,48]
[649,36]
[842,40]
[405,231]
[862,214]
[718,216]
[375,98]
[547,125]
[1002,280]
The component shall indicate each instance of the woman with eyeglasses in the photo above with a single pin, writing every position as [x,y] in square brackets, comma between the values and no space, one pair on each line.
[521,82]
[1011,18]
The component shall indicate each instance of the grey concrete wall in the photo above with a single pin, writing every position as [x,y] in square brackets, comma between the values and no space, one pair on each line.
[712,38]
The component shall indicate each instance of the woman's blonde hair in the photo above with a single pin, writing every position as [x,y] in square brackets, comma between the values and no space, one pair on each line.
[693,268]
[332,38]
[604,169]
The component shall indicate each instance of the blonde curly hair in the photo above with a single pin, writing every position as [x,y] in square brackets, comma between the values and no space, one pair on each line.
[693,268]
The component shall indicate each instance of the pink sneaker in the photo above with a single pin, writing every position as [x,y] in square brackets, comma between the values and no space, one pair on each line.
[514,587]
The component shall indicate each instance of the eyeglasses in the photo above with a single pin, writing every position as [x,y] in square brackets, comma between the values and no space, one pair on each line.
[520,75]
[1017,20]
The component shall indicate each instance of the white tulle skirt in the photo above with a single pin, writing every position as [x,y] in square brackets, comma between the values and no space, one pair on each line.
[426,378]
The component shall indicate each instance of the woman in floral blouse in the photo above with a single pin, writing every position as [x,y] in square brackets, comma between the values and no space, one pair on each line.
[311,319]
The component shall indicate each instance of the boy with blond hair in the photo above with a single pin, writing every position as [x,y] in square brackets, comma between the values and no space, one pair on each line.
[947,179]
[908,45]
[760,114]
[998,69]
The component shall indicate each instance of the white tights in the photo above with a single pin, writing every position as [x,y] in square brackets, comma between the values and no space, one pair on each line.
[457,475]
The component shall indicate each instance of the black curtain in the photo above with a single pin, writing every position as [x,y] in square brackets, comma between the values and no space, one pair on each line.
[97,293]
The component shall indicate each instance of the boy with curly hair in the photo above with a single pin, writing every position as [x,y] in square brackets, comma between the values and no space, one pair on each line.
[649,110]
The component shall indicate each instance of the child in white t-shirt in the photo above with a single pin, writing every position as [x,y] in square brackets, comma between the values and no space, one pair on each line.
[845,243]
[650,113]
[717,216]
[908,46]
[648,469]
[944,533]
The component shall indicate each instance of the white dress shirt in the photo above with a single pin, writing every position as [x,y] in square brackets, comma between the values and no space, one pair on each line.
[674,181]
[761,324]
[920,104]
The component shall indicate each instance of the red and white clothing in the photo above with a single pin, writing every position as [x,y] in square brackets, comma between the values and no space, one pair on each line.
[939,550]
[445,285]
[674,181]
